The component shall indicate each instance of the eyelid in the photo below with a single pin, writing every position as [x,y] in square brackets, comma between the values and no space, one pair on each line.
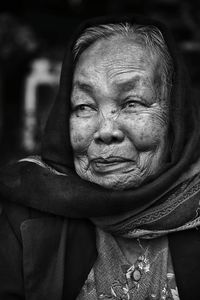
[135,99]
[90,105]
[78,101]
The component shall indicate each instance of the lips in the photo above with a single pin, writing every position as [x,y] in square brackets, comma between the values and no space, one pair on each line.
[110,164]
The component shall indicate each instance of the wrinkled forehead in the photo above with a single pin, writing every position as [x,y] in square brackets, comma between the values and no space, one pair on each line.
[116,46]
[116,59]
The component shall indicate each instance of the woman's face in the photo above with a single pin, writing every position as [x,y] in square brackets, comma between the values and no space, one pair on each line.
[119,118]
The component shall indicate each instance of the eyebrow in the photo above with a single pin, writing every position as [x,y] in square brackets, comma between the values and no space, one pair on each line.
[85,87]
[127,85]
[122,85]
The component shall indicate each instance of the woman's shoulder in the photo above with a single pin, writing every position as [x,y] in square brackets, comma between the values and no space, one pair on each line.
[13,215]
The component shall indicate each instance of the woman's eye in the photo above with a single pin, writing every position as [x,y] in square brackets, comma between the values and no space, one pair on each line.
[84,110]
[133,104]
[130,104]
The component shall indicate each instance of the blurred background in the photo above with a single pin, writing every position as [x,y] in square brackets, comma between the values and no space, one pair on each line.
[33,36]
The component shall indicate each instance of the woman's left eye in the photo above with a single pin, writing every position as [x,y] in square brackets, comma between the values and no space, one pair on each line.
[133,104]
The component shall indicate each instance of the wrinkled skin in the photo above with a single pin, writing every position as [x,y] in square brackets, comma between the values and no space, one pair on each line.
[119,118]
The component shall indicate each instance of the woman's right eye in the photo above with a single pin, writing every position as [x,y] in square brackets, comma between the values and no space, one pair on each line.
[84,110]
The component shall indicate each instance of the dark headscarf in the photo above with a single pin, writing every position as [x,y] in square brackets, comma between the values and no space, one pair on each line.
[73,197]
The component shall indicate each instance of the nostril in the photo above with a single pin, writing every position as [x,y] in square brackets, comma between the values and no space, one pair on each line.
[118,135]
[109,137]
[96,136]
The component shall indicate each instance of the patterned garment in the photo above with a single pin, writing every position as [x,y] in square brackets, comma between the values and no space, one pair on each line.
[177,210]
[114,278]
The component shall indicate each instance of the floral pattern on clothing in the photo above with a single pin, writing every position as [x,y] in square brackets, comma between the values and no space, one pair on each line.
[151,277]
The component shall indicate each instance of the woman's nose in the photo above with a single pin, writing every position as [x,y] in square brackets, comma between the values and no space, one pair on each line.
[108,132]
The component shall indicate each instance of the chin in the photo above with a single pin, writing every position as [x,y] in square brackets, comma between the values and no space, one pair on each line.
[121,183]
[120,186]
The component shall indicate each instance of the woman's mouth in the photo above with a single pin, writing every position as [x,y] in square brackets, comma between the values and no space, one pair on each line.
[111,164]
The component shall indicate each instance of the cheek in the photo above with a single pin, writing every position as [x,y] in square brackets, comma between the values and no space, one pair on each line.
[81,133]
[146,132]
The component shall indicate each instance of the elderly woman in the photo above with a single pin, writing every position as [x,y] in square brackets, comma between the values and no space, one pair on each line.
[111,208]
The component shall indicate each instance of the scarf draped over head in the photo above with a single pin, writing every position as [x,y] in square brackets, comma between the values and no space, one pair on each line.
[51,184]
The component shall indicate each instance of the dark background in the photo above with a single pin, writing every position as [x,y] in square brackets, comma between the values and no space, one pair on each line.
[33,36]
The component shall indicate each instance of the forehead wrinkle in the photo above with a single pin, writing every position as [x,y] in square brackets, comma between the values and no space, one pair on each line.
[115,68]
[83,74]
[115,73]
